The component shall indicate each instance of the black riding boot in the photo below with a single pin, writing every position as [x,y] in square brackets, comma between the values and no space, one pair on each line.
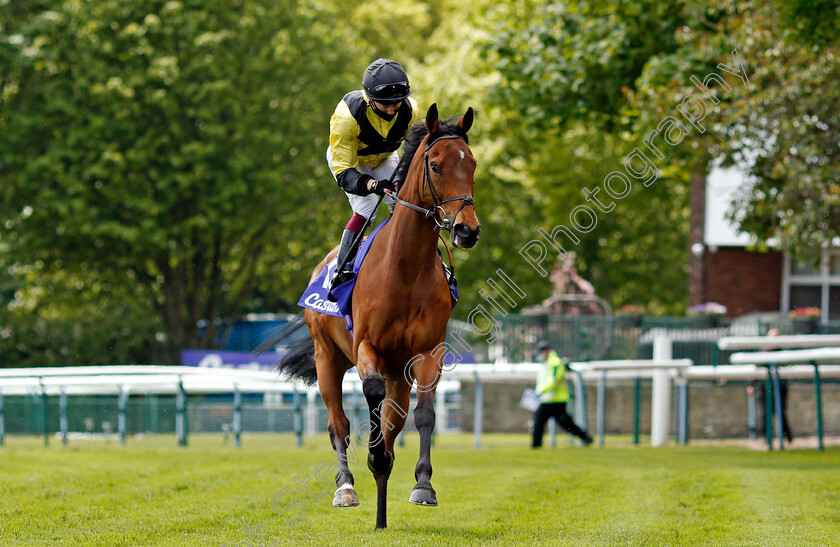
[344,250]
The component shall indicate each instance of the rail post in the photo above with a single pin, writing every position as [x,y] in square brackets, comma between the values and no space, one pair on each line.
[181,414]
[237,416]
[310,419]
[777,402]
[478,416]
[661,398]
[819,404]
[751,412]
[768,409]
[122,417]
[637,396]
[44,413]
[297,418]
[152,413]
[62,416]
[682,410]
[602,404]
[552,432]
[580,400]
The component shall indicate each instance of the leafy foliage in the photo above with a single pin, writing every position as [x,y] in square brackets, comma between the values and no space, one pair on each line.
[812,21]
[569,73]
[781,125]
[62,319]
[141,144]
[794,135]
[563,61]
[162,161]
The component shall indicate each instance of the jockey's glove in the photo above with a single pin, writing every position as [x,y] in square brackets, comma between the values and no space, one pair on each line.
[378,187]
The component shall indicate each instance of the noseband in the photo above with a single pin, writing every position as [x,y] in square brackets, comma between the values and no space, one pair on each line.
[446,223]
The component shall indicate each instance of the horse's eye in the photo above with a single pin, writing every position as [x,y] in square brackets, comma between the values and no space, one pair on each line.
[435,168]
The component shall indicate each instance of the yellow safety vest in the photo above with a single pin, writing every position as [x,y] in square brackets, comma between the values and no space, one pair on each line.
[551,381]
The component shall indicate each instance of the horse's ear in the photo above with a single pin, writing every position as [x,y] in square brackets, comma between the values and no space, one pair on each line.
[466,120]
[432,122]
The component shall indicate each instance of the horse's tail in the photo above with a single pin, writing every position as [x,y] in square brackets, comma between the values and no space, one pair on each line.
[298,361]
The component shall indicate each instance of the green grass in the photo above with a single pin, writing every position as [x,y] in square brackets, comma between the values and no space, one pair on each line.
[153,493]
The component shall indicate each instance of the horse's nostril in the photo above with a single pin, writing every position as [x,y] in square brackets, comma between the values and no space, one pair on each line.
[462,231]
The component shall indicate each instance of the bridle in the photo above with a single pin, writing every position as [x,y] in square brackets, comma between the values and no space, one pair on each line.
[446,223]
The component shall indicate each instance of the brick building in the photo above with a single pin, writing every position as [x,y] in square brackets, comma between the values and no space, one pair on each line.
[726,268]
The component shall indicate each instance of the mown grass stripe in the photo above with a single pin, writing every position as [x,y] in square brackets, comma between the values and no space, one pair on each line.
[153,493]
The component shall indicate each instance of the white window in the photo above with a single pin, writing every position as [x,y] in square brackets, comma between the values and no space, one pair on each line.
[806,285]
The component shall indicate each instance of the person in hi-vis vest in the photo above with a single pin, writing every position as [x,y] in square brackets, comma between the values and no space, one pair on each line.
[554,394]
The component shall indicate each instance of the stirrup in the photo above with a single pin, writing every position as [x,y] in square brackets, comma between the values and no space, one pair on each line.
[450,280]
[447,271]
[340,277]
[450,277]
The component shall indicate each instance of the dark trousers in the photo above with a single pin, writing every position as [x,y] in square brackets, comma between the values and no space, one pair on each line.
[558,412]
[763,406]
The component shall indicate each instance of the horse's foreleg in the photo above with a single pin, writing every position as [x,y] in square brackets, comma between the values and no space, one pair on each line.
[380,461]
[395,411]
[424,421]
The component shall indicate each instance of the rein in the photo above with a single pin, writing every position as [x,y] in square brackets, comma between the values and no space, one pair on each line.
[446,223]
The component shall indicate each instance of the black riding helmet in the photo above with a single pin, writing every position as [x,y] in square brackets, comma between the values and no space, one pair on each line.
[385,81]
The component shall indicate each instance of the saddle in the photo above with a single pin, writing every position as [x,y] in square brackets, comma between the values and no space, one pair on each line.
[317,295]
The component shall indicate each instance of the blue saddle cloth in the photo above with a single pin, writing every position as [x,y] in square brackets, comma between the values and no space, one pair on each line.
[315,295]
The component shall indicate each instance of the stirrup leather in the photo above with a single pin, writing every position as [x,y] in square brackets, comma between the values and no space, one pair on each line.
[347,251]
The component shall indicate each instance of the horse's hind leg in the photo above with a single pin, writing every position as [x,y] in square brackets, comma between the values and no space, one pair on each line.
[331,368]
[345,494]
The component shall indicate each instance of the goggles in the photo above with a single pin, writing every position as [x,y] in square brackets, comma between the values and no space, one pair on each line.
[391,93]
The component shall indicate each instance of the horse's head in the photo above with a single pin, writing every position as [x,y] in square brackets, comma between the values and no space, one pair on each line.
[448,177]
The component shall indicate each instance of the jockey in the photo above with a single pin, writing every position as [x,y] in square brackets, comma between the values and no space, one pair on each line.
[366,130]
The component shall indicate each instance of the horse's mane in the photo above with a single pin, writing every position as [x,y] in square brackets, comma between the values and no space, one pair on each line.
[415,136]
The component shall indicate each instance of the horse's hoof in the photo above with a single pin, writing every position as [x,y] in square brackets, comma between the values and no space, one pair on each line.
[346,496]
[423,496]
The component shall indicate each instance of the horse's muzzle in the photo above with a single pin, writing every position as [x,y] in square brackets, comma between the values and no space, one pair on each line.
[464,236]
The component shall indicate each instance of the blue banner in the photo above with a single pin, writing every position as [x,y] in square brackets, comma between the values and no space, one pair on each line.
[244,360]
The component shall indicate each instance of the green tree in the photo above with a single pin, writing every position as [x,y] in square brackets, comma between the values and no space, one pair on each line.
[789,122]
[169,145]
[453,74]
[569,72]
[779,121]
[597,62]
[65,319]
[567,61]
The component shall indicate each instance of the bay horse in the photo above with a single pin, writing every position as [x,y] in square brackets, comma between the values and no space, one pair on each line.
[400,308]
